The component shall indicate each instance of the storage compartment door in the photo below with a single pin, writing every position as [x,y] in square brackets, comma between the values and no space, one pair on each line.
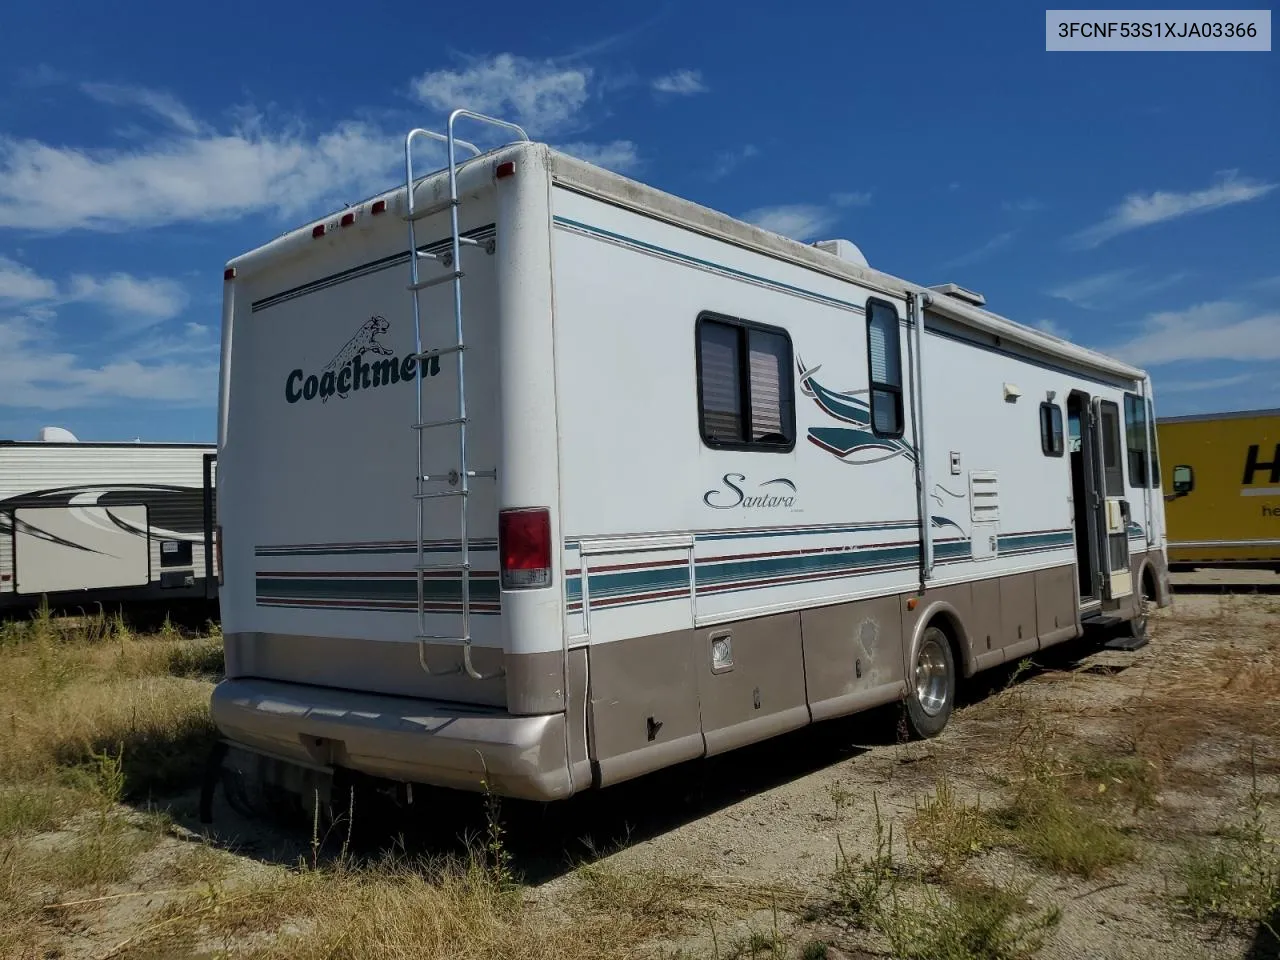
[81,548]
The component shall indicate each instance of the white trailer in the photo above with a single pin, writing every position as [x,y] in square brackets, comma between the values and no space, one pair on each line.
[82,523]
[619,481]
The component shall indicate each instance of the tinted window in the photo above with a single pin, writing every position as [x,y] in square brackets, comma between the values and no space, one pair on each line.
[884,357]
[1051,429]
[1135,424]
[744,385]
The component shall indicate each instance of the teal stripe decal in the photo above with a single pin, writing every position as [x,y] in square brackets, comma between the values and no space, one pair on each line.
[396,591]
[370,548]
[656,584]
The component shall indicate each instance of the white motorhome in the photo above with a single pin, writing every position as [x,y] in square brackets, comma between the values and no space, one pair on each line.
[82,522]
[596,480]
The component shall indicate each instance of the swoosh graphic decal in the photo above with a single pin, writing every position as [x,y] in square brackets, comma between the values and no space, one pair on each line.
[33,531]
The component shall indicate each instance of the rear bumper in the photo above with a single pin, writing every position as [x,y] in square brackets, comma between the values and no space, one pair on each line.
[419,741]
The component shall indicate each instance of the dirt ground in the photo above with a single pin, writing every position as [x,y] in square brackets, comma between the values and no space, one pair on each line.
[1096,804]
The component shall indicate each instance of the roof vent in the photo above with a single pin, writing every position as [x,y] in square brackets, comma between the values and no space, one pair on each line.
[844,249]
[960,293]
[57,435]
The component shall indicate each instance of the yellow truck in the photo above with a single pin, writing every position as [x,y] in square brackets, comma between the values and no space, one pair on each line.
[1222,488]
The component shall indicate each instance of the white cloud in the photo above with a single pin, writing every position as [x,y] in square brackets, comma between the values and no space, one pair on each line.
[1212,383]
[1088,291]
[164,105]
[800,221]
[1027,205]
[22,284]
[142,302]
[41,75]
[1142,210]
[982,252]
[1223,330]
[1053,328]
[135,302]
[729,160]
[855,198]
[617,155]
[680,83]
[1113,286]
[41,375]
[207,176]
[541,95]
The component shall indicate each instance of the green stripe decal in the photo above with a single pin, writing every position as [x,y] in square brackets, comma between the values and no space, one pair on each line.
[645,584]
[341,591]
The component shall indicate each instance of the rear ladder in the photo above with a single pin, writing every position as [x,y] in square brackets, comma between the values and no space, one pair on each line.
[458,478]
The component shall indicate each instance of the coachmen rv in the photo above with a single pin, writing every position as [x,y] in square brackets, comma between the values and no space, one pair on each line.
[533,474]
[82,523]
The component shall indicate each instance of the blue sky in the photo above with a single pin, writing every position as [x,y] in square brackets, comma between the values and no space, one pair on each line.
[1128,201]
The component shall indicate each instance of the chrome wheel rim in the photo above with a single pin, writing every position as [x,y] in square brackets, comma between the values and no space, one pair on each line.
[932,675]
[1144,611]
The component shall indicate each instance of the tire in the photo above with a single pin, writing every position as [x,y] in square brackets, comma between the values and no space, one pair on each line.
[932,681]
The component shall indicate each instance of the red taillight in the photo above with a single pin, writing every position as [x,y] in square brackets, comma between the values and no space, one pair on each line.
[379,206]
[348,219]
[217,551]
[229,273]
[524,546]
[506,169]
[317,231]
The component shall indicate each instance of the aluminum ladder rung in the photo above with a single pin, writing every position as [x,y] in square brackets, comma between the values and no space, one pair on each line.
[450,567]
[436,281]
[462,242]
[430,209]
[460,641]
[438,352]
[431,424]
[442,494]
[452,476]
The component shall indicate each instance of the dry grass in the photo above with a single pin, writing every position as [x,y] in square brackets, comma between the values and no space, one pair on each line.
[947,831]
[396,908]
[963,918]
[92,715]
[70,692]
[96,715]
[649,904]
[1236,881]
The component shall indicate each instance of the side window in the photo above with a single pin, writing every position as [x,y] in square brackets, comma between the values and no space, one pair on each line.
[745,396]
[1155,453]
[1112,466]
[1135,425]
[1051,430]
[884,357]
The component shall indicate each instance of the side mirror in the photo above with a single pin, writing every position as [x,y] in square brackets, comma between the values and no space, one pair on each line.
[1184,480]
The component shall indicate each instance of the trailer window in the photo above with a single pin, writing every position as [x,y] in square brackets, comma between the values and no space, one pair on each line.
[1051,430]
[1135,424]
[745,394]
[884,356]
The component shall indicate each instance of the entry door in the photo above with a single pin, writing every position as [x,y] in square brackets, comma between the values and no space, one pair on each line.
[1114,519]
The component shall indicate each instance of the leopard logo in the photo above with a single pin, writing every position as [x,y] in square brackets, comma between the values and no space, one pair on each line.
[364,341]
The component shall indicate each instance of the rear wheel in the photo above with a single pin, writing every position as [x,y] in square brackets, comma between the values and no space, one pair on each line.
[933,685]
